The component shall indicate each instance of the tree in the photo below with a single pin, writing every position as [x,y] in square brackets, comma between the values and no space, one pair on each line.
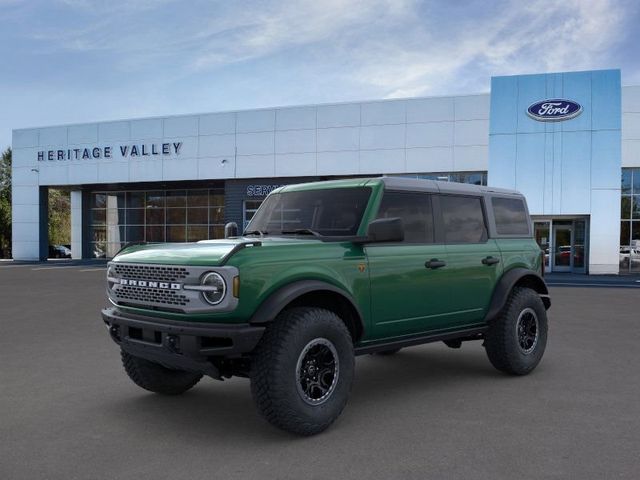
[59,217]
[5,204]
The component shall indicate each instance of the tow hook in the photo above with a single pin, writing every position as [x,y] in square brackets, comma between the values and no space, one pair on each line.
[173,343]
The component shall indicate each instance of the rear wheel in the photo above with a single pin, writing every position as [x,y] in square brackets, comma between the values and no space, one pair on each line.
[302,370]
[516,340]
[156,378]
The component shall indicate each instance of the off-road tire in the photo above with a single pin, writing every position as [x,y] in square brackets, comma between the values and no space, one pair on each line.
[391,351]
[156,378]
[502,342]
[275,380]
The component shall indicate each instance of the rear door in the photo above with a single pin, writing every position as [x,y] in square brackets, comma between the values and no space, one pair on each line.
[408,293]
[474,263]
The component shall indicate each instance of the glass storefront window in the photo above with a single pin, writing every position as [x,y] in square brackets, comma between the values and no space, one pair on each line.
[474,178]
[542,232]
[176,216]
[118,218]
[135,233]
[635,206]
[176,198]
[579,239]
[154,234]
[626,180]
[216,214]
[155,200]
[636,180]
[197,216]
[195,233]
[198,198]
[155,216]
[98,200]
[630,221]
[216,199]
[634,251]
[176,233]
[134,200]
[249,208]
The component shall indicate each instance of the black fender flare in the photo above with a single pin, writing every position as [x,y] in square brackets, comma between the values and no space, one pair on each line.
[509,280]
[278,300]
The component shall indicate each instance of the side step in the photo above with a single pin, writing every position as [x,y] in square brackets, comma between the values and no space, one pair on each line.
[474,333]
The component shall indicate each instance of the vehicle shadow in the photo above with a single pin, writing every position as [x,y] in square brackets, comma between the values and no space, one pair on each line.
[226,410]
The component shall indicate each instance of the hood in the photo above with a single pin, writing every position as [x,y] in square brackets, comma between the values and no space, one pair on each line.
[205,253]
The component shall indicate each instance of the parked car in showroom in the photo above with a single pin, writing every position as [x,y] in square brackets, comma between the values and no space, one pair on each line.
[59,251]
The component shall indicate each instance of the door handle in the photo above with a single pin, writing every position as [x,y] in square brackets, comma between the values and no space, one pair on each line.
[490,260]
[434,263]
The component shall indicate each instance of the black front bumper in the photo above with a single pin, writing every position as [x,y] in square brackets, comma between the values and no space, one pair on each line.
[181,345]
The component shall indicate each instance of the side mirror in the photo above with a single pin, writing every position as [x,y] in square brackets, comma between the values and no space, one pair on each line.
[231,230]
[385,230]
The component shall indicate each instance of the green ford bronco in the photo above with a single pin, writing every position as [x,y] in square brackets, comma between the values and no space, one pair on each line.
[324,272]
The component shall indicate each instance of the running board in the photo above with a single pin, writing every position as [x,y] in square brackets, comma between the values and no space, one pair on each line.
[475,333]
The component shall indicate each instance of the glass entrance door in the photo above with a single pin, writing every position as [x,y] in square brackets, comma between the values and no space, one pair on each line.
[542,232]
[563,248]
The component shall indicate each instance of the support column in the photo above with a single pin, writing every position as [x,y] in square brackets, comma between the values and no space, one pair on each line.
[25,220]
[76,224]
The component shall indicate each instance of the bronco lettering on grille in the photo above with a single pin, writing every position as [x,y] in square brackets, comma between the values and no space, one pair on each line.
[150,284]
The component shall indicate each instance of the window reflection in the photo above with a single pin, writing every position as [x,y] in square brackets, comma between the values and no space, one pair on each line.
[474,178]
[629,257]
[118,218]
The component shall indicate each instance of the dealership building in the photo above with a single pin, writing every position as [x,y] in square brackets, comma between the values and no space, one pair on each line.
[570,142]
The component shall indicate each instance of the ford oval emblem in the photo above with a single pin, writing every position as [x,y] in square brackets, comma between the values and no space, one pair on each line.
[554,110]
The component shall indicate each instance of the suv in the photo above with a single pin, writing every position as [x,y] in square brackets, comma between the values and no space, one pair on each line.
[324,272]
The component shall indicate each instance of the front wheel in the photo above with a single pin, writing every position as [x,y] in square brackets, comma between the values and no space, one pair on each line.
[517,338]
[302,370]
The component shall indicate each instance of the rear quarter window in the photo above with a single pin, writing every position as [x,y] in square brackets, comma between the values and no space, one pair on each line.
[463,219]
[510,215]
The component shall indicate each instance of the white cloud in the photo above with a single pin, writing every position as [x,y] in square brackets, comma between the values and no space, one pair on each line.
[542,36]
[391,48]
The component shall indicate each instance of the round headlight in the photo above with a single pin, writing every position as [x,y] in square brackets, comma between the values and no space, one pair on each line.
[215,288]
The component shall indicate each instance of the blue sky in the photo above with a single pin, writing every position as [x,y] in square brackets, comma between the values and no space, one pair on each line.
[68,61]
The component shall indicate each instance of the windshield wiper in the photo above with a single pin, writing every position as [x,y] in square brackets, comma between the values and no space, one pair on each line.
[256,232]
[302,231]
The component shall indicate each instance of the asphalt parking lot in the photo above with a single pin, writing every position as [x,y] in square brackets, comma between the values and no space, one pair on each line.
[69,412]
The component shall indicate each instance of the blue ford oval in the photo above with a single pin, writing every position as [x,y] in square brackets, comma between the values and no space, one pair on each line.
[554,110]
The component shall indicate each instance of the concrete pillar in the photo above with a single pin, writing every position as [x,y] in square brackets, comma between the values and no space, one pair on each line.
[25,221]
[76,224]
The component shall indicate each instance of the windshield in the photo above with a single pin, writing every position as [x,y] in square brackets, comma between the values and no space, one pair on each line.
[327,212]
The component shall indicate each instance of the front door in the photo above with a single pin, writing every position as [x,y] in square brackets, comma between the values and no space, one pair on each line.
[562,248]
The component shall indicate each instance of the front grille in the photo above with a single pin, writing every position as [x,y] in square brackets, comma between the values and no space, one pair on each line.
[132,294]
[164,287]
[151,272]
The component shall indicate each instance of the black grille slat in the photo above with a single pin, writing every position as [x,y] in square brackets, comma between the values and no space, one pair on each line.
[152,272]
[153,295]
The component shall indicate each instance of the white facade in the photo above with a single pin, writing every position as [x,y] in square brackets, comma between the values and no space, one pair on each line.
[413,136]
[395,136]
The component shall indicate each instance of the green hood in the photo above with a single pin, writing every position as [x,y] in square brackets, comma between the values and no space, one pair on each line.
[206,253]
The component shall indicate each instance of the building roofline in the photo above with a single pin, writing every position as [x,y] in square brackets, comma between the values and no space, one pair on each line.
[280,107]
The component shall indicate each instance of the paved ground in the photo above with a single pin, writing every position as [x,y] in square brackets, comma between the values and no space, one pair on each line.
[67,411]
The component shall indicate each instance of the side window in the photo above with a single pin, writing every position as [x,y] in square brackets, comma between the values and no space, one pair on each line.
[463,219]
[415,211]
[511,216]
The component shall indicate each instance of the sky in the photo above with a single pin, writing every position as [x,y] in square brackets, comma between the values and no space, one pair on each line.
[75,61]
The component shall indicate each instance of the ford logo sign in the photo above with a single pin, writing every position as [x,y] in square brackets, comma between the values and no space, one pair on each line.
[554,110]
